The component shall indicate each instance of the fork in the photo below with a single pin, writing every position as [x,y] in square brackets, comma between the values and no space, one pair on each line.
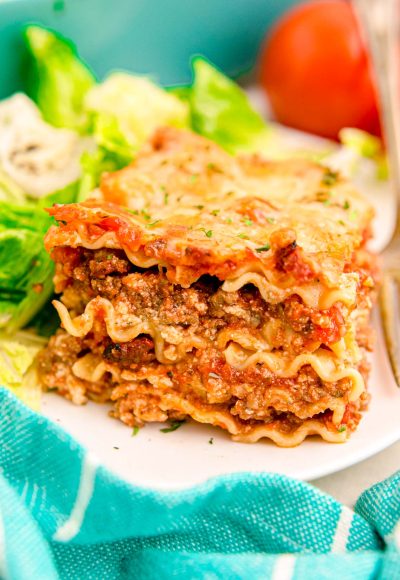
[380,25]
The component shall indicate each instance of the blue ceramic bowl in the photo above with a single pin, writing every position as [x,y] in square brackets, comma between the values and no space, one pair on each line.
[155,37]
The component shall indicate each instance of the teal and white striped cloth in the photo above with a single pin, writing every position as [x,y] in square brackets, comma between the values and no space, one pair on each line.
[64,516]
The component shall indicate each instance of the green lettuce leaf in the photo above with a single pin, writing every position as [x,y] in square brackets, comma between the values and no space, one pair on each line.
[67,194]
[17,371]
[26,272]
[25,284]
[127,108]
[58,79]
[9,190]
[363,144]
[46,321]
[221,111]
[93,167]
[26,269]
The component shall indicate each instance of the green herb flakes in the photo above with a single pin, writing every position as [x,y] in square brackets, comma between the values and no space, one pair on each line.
[211,441]
[153,224]
[215,212]
[342,428]
[330,177]
[323,197]
[263,248]
[247,221]
[346,205]
[135,431]
[243,236]
[146,215]
[173,426]
[213,167]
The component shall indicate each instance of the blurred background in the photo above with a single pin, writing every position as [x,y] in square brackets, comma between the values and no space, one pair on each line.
[155,37]
[307,55]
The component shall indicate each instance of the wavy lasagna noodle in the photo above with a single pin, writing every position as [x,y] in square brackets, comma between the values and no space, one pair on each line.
[235,291]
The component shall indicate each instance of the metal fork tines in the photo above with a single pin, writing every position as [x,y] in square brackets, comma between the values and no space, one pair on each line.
[379,21]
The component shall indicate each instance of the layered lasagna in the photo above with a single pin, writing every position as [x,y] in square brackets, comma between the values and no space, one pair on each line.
[231,290]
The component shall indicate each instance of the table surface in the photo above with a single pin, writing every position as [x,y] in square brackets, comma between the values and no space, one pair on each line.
[347,485]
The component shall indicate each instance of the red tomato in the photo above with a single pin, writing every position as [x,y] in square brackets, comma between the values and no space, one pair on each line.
[315,70]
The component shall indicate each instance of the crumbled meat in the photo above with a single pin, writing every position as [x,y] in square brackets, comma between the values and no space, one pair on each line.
[201,310]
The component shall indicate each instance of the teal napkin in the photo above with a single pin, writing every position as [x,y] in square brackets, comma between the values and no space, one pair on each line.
[64,516]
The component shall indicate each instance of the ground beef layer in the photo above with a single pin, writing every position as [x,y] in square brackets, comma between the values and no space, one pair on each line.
[203,310]
[140,387]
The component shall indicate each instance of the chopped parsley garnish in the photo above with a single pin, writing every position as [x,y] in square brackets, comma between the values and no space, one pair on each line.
[173,426]
[271,220]
[229,193]
[166,195]
[199,206]
[208,233]
[211,441]
[213,167]
[194,177]
[243,236]
[342,428]
[146,215]
[215,211]
[135,431]
[330,177]
[214,376]
[153,223]
[353,215]
[133,211]
[346,205]
[228,221]
[323,197]
[263,248]
[115,447]
[341,222]
[247,221]
[109,256]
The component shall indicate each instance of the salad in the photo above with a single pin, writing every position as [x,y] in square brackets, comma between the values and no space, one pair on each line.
[58,138]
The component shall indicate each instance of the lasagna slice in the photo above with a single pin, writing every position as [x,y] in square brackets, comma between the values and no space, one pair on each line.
[235,291]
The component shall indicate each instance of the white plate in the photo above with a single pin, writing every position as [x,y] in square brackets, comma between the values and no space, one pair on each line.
[186,457]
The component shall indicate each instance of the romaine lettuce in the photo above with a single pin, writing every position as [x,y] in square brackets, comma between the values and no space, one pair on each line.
[9,190]
[127,108]
[25,267]
[221,110]
[58,79]
[16,366]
